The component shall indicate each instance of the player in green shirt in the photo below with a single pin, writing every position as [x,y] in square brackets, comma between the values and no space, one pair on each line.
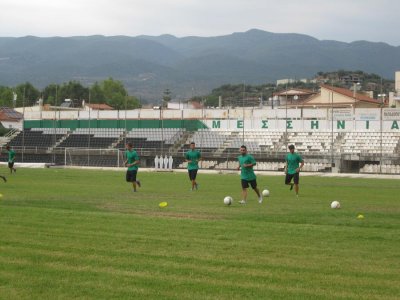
[247,176]
[192,157]
[11,159]
[294,163]
[132,162]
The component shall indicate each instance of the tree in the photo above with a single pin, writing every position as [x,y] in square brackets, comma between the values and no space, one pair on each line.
[50,94]
[166,97]
[211,100]
[75,91]
[97,94]
[6,96]
[27,94]
[116,96]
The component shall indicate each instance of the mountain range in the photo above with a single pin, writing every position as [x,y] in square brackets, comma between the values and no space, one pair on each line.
[147,65]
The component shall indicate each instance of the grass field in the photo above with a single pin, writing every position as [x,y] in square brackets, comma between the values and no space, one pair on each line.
[83,234]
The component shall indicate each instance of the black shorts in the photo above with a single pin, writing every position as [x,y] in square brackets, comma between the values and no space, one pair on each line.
[10,164]
[289,177]
[192,174]
[131,175]
[245,183]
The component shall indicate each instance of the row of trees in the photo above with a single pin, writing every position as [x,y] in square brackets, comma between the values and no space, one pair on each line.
[109,91]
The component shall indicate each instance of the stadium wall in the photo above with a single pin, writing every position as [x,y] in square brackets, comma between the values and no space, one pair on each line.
[339,120]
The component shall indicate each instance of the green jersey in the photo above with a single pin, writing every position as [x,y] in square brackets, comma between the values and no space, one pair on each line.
[131,157]
[293,160]
[193,156]
[11,156]
[247,173]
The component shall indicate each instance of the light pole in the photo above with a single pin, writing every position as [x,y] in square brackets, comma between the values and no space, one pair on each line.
[23,124]
[243,112]
[355,85]
[88,153]
[275,99]
[382,96]
[286,117]
[54,125]
[271,97]
[332,140]
[162,126]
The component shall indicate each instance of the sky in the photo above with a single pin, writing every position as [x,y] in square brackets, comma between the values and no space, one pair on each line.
[340,20]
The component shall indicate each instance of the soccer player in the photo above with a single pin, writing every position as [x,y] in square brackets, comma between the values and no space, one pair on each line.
[294,163]
[192,157]
[132,162]
[247,176]
[11,159]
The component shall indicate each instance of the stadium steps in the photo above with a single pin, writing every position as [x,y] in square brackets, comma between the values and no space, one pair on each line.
[61,140]
[4,140]
[180,143]
[397,147]
[281,144]
[120,139]
[339,141]
[227,142]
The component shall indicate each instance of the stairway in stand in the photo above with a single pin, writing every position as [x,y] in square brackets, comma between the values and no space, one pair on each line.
[227,142]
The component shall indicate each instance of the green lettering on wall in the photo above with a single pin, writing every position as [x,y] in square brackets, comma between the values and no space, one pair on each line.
[366,124]
[289,124]
[216,124]
[239,124]
[264,124]
[314,124]
[341,124]
[395,125]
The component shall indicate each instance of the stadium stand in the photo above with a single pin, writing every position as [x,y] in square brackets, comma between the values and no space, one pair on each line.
[371,142]
[91,137]
[151,138]
[219,146]
[376,168]
[38,137]
[313,142]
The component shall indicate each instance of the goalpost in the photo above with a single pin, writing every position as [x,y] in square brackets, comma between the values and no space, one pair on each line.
[93,157]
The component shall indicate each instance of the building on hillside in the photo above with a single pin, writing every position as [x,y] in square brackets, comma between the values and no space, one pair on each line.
[350,79]
[10,118]
[97,106]
[395,97]
[184,105]
[292,96]
[340,98]
[290,80]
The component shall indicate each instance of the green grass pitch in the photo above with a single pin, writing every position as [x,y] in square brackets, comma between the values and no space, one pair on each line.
[84,234]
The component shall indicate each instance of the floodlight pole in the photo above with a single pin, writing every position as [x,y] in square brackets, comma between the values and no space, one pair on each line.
[89,131]
[243,112]
[380,168]
[54,125]
[162,126]
[202,131]
[23,126]
[286,117]
[332,162]
[382,96]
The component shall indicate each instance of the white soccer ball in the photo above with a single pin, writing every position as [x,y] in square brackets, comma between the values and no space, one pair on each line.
[265,193]
[335,204]
[228,200]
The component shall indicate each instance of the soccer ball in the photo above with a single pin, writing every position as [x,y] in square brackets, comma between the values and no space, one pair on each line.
[335,204]
[265,193]
[228,200]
